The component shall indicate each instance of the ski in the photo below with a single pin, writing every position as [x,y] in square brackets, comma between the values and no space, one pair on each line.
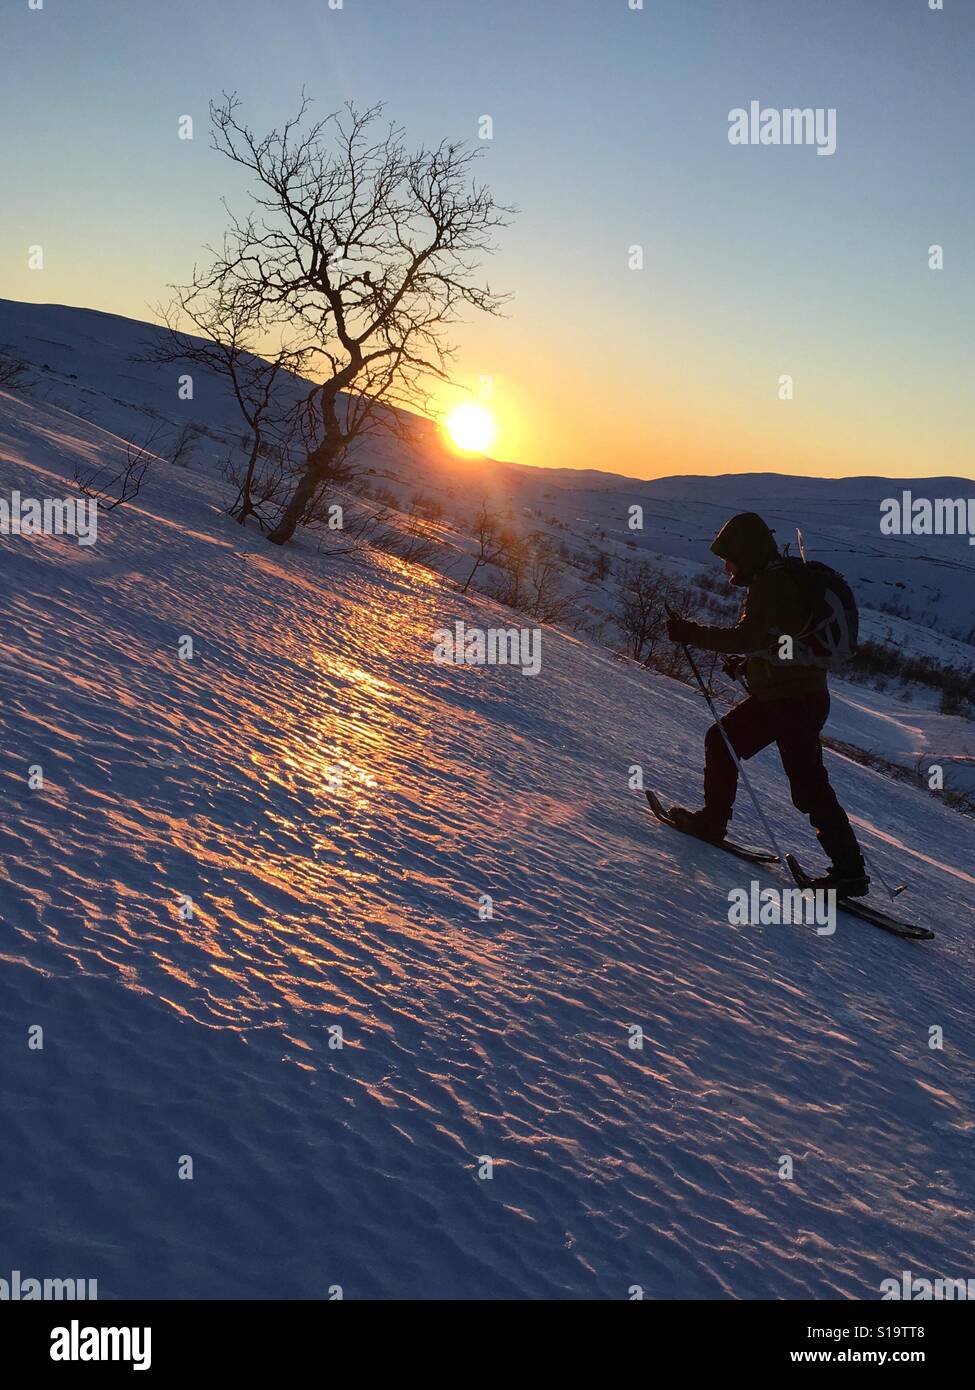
[863,910]
[754,856]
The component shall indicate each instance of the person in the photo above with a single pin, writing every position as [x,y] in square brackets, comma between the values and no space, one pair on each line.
[787,704]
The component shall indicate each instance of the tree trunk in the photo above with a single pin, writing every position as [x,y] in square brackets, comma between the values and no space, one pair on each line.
[295,509]
[244,502]
[317,468]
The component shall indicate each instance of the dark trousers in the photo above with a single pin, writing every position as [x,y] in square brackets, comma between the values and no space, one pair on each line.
[794,724]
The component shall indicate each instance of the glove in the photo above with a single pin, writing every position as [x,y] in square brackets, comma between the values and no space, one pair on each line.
[679,629]
[734,667]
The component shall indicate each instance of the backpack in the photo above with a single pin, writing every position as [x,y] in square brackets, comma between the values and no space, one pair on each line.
[832,631]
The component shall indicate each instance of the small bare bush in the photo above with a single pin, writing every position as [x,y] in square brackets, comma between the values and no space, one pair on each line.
[111,490]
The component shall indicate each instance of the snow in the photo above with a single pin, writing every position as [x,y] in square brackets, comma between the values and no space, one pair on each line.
[904,732]
[87,362]
[355,905]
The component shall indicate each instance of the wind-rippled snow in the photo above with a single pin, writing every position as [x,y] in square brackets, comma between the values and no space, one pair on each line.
[356,907]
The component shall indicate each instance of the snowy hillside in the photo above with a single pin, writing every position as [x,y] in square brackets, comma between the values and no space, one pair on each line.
[92,364]
[915,591]
[927,580]
[329,807]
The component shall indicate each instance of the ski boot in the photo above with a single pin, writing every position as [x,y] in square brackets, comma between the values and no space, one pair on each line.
[698,823]
[849,881]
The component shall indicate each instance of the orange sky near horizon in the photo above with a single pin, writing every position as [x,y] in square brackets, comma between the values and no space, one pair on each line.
[551,415]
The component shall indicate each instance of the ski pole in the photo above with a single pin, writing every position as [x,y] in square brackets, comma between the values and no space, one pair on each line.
[717,719]
[893,892]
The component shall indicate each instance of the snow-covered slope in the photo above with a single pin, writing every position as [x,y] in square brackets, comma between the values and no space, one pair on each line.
[907,734]
[920,586]
[914,593]
[93,365]
[352,903]
[929,579]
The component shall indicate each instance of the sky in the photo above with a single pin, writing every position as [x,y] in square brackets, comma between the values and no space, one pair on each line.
[610,131]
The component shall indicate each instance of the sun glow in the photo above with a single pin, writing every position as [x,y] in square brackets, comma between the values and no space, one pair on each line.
[471,428]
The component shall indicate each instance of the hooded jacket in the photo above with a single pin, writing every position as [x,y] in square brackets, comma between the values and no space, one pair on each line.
[773,606]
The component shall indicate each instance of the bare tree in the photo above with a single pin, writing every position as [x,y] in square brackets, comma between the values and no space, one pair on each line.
[601,567]
[531,578]
[492,541]
[412,540]
[181,449]
[642,615]
[366,251]
[511,560]
[13,370]
[233,328]
[111,490]
[429,507]
[263,482]
[361,527]
[548,601]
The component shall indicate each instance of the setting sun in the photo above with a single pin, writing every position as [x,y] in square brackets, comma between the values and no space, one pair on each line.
[471,428]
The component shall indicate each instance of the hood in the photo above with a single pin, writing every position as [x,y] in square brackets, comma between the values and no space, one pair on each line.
[747,541]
